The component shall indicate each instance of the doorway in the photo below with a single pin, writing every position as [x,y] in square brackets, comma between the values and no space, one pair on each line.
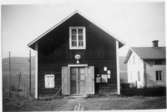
[78,80]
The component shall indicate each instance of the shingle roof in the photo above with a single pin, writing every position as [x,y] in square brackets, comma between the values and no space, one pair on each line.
[150,52]
[147,53]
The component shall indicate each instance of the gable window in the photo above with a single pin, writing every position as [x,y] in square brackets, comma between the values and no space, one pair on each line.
[158,75]
[77,38]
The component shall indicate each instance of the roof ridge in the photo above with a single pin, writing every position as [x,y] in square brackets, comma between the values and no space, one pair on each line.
[148,47]
[69,16]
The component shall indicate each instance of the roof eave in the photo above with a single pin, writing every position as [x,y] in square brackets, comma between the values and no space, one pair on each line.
[31,44]
[128,56]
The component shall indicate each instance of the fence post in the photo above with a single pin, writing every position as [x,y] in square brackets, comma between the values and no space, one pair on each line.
[30,73]
[10,74]
[19,82]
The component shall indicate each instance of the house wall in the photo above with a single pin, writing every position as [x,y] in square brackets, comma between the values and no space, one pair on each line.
[54,52]
[123,77]
[150,71]
[135,66]
[123,70]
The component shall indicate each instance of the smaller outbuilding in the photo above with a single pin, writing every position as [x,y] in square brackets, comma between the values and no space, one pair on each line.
[146,66]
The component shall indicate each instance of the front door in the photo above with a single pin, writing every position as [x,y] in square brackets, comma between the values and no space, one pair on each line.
[78,79]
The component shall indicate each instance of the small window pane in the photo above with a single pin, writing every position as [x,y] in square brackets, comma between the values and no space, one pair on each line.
[74,37]
[74,31]
[80,31]
[74,43]
[158,75]
[80,43]
[80,37]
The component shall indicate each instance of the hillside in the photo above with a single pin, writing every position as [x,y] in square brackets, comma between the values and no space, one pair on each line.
[17,80]
[18,64]
[21,64]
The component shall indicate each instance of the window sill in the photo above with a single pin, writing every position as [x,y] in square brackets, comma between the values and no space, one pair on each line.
[77,48]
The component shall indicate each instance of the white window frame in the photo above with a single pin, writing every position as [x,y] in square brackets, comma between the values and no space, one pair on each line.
[84,37]
[158,77]
[49,75]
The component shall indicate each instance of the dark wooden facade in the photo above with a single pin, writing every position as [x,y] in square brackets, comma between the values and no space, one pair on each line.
[54,53]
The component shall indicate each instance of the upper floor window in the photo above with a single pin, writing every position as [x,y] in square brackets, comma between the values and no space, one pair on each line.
[77,38]
[158,75]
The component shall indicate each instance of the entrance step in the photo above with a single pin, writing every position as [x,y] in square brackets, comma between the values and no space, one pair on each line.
[77,96]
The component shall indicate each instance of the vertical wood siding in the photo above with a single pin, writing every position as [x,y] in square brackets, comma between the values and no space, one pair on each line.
[90,80]
[54,53]
[65,81]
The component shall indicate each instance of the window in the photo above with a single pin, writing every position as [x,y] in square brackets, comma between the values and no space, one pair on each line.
[158,75]
[49,81]
[77,38]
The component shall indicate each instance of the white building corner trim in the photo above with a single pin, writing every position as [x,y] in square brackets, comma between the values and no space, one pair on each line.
[118,72]
[36,71]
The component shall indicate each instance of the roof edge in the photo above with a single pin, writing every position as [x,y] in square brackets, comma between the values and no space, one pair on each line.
[121,43]
[128,56]
[50,29]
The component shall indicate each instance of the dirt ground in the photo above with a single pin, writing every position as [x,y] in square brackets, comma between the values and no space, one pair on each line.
[93,103]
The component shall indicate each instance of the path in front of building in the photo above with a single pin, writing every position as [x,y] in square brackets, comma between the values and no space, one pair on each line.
[73,104]
[93,103]
[114,102]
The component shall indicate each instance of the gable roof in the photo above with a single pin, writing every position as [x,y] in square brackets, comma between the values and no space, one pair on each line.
[32,43]
[147,53]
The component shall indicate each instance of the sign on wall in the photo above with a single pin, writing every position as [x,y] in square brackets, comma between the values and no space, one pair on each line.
[49,81]
[104,78]
[98,78]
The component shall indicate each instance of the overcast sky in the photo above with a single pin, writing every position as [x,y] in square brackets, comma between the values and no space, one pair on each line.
[135,23]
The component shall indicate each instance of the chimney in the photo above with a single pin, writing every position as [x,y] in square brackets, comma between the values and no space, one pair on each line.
[155,43]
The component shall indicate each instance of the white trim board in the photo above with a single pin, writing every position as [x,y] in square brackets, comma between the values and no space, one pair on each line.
[77,37]
[59,23]
[77,65]
[118,72]
[36,71]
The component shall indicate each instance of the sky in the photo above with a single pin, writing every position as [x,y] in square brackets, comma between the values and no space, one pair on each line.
[134,23]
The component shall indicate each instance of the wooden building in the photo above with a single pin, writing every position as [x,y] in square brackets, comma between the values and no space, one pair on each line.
[146,66]
[76,57]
